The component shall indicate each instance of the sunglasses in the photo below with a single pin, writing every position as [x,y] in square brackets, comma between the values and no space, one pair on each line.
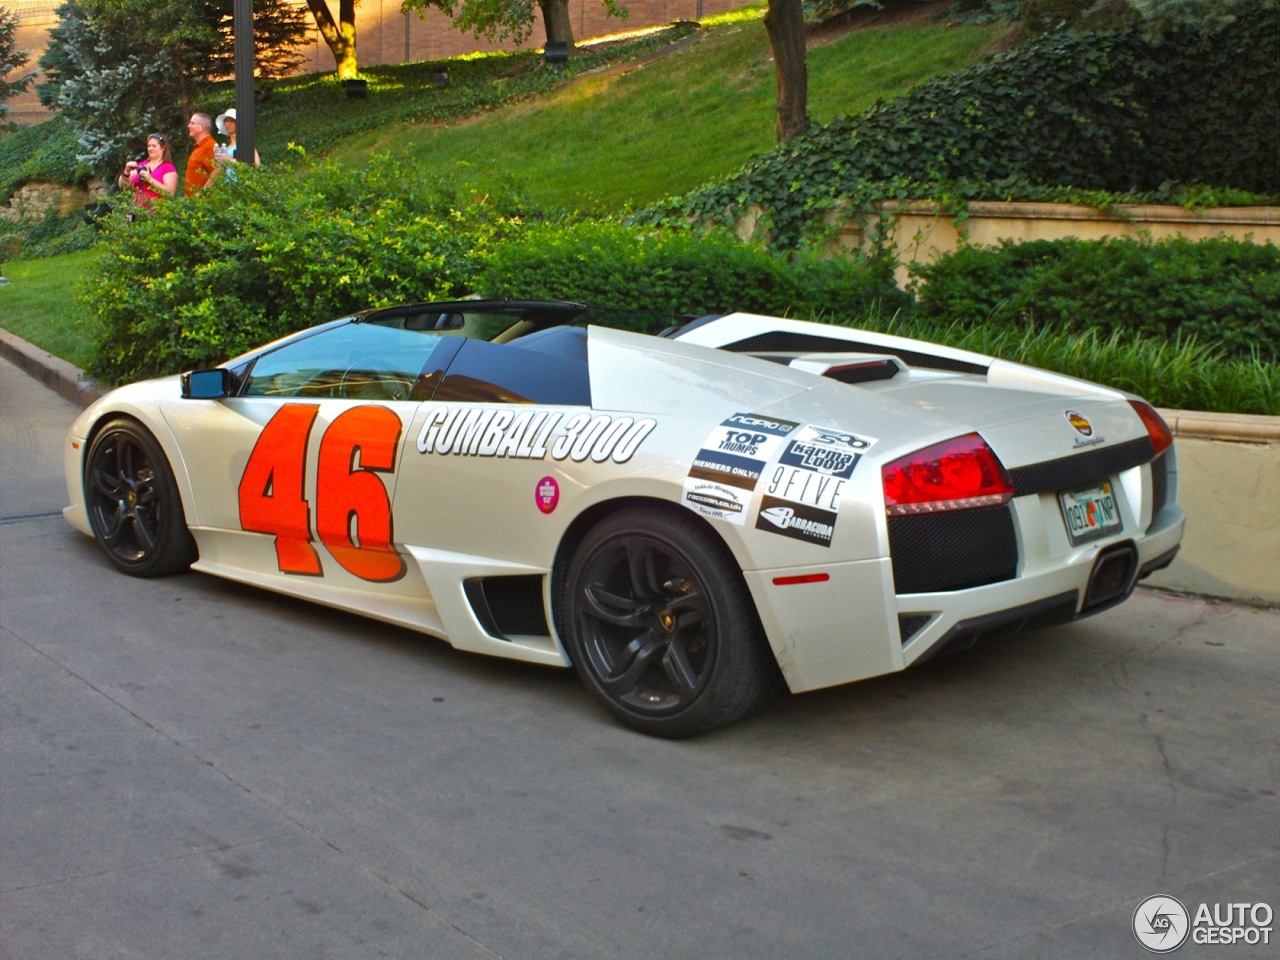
[156,136]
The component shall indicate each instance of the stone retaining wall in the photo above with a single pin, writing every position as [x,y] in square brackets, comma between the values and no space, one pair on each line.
[32,201]
[921,233]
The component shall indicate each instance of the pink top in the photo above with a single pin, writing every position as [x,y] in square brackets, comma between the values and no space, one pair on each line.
[142,192]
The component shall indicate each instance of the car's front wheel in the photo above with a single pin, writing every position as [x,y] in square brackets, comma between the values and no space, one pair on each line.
[134,506]
[661,626]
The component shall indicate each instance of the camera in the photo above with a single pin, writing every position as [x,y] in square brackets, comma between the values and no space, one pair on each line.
[142,170]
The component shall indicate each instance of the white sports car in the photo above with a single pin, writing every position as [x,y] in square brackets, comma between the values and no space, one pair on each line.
[690,520]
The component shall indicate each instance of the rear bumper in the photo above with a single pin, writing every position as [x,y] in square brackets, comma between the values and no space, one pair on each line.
[933,624]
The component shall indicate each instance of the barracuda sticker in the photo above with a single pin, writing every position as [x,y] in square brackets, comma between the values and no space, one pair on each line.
[531,435]
[797,521]
[725,471]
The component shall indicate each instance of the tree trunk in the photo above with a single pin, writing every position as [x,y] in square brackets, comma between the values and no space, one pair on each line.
[784,22]
[556,22]
[340,36]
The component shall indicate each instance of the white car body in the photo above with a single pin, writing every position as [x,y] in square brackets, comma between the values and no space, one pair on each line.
[810,532]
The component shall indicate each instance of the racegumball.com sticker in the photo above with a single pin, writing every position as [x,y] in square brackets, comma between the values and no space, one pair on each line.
[1162,924]
[547,494]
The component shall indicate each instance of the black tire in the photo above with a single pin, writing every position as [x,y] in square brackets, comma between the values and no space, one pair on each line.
[661,627]
[134,507]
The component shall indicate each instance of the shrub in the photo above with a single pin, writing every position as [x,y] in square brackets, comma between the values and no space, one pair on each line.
[1221,292]
[671,274]
[268,253]
[47,236]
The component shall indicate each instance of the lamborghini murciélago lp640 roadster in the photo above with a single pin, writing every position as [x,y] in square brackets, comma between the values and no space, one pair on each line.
[691,520]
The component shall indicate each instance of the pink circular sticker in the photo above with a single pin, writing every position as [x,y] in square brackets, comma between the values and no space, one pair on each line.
[548,494]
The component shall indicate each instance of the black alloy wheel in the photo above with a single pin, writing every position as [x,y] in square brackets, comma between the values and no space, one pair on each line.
[661,626]
[134,507]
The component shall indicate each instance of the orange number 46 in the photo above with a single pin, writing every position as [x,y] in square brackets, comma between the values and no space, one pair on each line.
[353,511]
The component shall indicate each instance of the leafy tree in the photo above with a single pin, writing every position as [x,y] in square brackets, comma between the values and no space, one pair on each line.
[508,20]
[11,58]
[119,69]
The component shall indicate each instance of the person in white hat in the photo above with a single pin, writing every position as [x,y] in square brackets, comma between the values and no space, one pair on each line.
[226,153]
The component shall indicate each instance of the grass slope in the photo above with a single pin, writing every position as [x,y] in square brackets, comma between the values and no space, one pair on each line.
[634,133]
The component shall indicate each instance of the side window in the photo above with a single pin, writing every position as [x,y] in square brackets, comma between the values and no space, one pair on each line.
[546,367]
[355,361]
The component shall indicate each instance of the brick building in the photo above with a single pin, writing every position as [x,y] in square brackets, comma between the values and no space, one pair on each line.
[386,35]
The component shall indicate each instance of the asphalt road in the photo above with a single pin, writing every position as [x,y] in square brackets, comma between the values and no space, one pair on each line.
[195,769]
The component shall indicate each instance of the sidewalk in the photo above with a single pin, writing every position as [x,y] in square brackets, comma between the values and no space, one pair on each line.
[1229,476]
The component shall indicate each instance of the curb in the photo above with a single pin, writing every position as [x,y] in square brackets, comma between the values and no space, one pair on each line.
[1233,427]
[58,375]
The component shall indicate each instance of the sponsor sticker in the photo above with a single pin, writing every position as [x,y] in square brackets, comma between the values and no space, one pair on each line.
[797,520]
[717,500]
[804,486]
[833,453]
[547,494]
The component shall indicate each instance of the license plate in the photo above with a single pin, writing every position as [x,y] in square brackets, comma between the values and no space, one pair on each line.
[1090,513]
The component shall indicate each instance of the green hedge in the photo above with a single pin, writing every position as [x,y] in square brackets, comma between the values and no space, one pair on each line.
[672,274]
[1194,325]
[1117,112]
[1223,293]
[268,253]
[43,152]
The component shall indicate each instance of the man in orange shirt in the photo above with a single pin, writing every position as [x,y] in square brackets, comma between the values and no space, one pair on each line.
[200,164]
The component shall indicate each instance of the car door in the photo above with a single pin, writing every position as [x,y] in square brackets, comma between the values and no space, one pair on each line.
[293,477]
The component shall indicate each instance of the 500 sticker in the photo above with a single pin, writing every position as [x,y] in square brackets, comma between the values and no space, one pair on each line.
[352,511]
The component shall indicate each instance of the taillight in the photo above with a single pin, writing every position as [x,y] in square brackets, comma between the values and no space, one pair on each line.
[1161,435]
[953,475]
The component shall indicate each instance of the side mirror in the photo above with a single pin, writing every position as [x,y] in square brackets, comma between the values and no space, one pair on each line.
[212,384]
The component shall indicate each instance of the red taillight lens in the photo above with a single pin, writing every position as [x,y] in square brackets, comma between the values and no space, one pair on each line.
[1161,435]
[952,475]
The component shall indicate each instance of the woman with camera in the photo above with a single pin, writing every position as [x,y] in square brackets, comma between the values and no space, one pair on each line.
[156,176]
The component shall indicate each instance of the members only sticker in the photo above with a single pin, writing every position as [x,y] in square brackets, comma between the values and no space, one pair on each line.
[729,465]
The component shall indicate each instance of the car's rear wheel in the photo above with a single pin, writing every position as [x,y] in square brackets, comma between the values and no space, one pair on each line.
[134,506]
[661,626]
